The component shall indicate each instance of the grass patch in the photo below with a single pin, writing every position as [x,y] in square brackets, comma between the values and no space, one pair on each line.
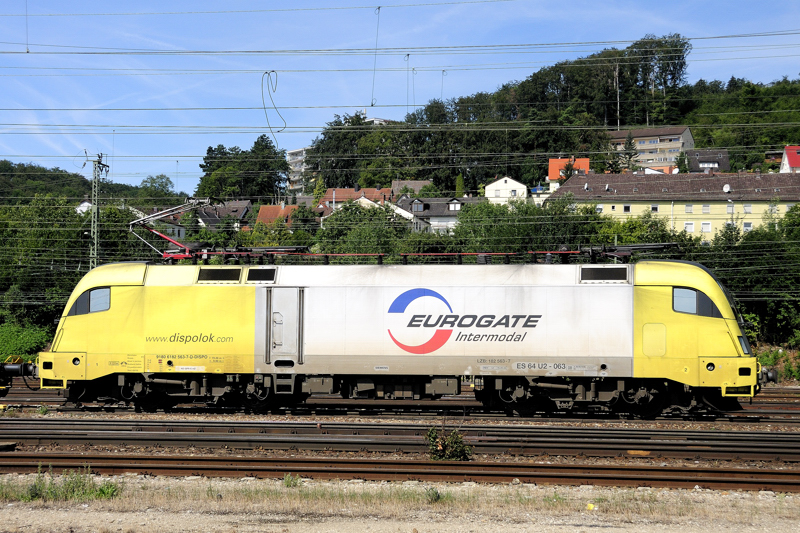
[71,486]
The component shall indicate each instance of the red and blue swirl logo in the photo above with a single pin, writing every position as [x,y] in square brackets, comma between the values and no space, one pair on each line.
[401,303]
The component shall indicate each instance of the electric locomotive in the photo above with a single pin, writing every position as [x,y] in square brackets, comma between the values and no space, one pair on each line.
[638,338]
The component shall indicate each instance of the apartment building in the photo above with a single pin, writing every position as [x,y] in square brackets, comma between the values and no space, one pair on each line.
[701,204]
[658,148]
[297,166]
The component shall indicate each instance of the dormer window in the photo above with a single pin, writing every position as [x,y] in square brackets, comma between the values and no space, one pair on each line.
[455,206]
[417,207]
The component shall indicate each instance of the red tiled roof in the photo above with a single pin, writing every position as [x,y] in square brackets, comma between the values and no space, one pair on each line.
[270,213]
[793,156]
[556,165]
[343,195]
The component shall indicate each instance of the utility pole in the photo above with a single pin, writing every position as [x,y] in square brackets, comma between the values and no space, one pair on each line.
[97,167]
[616,84]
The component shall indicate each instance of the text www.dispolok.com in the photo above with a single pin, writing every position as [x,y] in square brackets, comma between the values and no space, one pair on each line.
[186,339]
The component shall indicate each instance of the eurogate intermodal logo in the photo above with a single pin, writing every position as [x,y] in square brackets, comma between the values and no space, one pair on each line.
[445,324]
[441,336]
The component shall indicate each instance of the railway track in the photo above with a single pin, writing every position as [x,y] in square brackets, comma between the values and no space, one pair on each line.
[516,440]
[426,471]
[772,405]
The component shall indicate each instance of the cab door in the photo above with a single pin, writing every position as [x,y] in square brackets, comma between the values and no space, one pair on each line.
[286,324]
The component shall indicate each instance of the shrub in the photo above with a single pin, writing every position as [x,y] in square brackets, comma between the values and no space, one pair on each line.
[447,447]
[290,481]
[22,340]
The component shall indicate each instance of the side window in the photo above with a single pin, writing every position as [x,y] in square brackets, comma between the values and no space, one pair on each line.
[693,302]
[91,301]
[684,300]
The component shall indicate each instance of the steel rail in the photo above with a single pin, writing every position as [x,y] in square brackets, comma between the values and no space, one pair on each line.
[494,440]
[394,470]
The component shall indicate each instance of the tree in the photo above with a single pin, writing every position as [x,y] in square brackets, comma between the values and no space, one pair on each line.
[153,189]
[353,229]
[304,219]
[319,190]
[566,171]
[334,155]
[429,191]
[460,186]
[629,153]
[259,172]
[683,163]
[222,182]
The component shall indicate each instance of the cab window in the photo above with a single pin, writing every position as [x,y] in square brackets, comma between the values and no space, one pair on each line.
[91,301]
[693,302]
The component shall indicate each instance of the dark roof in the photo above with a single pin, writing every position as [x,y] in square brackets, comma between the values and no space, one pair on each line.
[648,132]
[212,215]
[680,187]
[435,207]
[695,157]
[415,185]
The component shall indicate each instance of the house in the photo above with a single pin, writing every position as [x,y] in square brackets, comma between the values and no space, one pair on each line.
[334,196]
[555,169]
[210,216]
[657,147]
[434,214]
[538,195]
[268,214]
[505,189]
[708,160]
[297,167]
[169,225]
[414,185]
[701,204]
[790,163]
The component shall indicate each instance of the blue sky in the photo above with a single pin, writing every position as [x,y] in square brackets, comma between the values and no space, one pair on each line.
[105,77]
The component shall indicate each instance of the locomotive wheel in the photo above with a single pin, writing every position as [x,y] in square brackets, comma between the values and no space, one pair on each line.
[645,403]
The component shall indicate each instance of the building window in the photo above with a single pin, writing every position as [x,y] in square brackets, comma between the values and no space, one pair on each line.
[730,209]
[706,209]
[748,208]
[653,141]
[416,207]
[748,226]
[613,208]
[688,227]
[642,142]
[497,193]
[599,208]
[455,206]
[654,208]
[688,208]
[705,227]
[773,209]
[513,193]
[626,209]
